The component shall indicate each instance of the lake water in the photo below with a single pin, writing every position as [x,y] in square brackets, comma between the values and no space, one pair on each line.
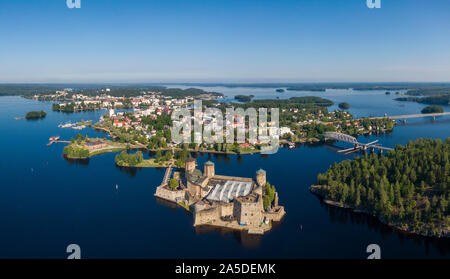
[47,202]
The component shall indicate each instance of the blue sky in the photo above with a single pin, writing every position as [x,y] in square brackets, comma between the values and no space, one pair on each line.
[224,41]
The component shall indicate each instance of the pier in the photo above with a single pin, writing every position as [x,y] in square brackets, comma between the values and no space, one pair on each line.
[56,139]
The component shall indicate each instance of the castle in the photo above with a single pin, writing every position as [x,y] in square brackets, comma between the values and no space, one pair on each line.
[224,201]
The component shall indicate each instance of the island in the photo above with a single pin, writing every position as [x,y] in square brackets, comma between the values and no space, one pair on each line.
[344,105]
[431,96]
[407,189]
[237,203]
[431,100]
[243,98]
[36,114]
[433,109]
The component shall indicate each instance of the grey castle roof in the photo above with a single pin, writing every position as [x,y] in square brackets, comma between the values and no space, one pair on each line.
[260,171]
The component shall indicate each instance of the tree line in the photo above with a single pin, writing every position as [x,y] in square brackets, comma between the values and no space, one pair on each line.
[408,187]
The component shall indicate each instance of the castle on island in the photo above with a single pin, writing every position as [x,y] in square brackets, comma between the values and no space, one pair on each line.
[222,201]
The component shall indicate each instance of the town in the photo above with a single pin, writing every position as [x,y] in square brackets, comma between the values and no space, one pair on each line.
[144,118]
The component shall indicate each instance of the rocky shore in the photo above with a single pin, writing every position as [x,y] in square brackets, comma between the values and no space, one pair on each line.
[443,231]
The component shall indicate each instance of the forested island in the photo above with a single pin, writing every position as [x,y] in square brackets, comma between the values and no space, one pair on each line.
[408,188]
[244,98]
[433,109]
[431,96]
[429,92]
[344,105]
[431,100]
[36,114]
[293,102]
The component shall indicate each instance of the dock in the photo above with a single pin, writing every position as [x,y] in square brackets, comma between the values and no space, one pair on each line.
[56,139]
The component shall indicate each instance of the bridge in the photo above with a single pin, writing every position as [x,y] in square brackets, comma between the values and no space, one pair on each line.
[357,146]
[412,115]
[167,175]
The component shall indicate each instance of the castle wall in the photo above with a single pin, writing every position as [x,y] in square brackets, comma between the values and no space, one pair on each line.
[276,215]
[226,209]
[194,190]
[170,195]
[205,216]
[249,213]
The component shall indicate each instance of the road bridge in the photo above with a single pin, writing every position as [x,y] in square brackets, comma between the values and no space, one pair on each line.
[357,146]
[412,115]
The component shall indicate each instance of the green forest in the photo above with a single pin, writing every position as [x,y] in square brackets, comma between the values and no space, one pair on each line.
[76,152]
[344,105]
[433,109]
[125,159]
[409,187]
[35,114]
[244,98]
[432,100]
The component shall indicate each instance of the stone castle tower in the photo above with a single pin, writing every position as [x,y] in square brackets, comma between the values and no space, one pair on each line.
[261,177]
[209,169]
[190,165]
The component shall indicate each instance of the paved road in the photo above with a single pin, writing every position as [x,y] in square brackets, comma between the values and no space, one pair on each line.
[412,115]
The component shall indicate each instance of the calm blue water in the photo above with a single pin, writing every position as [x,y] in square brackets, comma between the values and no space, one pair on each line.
[362,103]
[47,202]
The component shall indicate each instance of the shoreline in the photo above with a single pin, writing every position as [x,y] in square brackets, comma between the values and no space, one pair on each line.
[315,190]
